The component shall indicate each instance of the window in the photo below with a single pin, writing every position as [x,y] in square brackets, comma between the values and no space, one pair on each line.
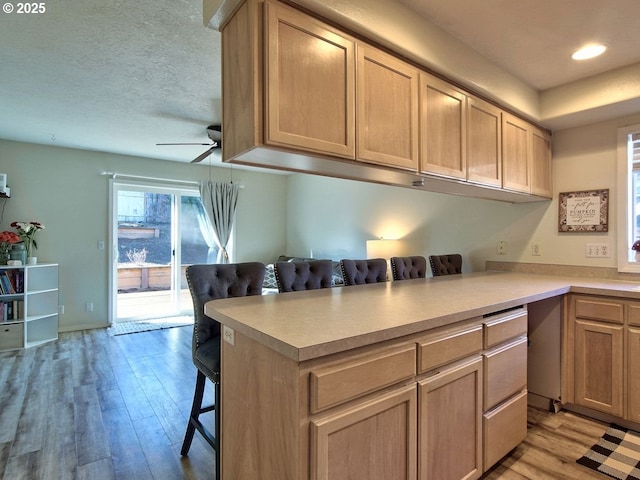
[628,197]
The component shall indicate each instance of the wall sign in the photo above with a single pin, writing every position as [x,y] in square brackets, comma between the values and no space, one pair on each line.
[586,211]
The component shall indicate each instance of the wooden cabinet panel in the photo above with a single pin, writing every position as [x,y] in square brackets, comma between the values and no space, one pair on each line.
[515,154]
[387,105]
[633,379]
[504,428]
[600,309]
[375,440]
[443,124]
[541,177]
[450,432]
[441,350]
[634,314]
[599,366]
[334,385]
[504,327]
[484,142]
[505,372]
[310,89]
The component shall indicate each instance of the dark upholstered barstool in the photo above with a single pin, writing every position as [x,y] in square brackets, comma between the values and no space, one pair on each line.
[406,268]
[211,282]
[307,275]
[445,264]
[359,272]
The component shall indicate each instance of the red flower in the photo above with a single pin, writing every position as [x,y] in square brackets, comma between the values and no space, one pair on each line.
[636,246]
[9,237]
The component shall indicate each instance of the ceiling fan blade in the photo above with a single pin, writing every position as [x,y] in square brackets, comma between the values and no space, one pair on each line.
[203,144]
[204,155]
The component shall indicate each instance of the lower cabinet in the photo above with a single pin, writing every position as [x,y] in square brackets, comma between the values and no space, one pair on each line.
[445,404]
[450,428]
[375,440]
[602,346]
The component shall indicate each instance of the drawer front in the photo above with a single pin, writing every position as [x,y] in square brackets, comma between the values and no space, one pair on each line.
[599,309]
[11,336]
[334,385]
[505,372]
[504,328]
[441,351]
[634,314]
[504,428]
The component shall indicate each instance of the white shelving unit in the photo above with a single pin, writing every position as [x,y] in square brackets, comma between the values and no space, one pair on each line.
[34,306]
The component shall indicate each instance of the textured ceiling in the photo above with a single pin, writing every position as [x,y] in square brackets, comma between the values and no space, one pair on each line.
[121,76]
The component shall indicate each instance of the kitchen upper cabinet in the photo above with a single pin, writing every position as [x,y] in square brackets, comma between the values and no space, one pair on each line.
[443,125]
[541,178]
[484,142]
[309,84]
[516,173]
[302,95]
[387,107]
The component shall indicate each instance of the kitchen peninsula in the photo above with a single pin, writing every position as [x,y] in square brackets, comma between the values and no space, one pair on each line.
[402,380]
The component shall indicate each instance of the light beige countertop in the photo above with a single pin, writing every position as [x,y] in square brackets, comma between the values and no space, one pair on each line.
[311,324]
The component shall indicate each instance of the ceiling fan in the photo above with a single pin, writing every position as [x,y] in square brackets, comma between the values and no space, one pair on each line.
[214,132]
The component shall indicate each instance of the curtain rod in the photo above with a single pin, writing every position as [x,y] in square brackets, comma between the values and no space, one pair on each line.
[114,175]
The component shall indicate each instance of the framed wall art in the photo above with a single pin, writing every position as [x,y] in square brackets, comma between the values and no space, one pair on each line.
[586,211]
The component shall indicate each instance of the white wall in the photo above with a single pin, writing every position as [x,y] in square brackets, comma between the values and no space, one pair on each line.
[64,189]
[334,218]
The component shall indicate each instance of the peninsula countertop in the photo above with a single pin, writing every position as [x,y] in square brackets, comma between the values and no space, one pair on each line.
[314,323]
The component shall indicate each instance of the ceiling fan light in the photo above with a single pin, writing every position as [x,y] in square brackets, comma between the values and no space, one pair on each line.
[590,51]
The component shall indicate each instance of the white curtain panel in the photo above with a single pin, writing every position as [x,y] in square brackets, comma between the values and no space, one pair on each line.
[220,201]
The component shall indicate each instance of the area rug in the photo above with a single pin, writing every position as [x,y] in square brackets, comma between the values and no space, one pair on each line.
[146,325]
[617,454]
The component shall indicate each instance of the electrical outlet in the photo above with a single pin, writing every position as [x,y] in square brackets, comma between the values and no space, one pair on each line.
[536,249]
[501,248]
[593,250]
[88,307]
[229,335]
[60,309]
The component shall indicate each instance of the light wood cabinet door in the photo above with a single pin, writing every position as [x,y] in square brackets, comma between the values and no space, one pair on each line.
[516,173]
[387,106]
[633,379]
[310,89]
[541,178]
[375,440]
[443,123]
[599,357]
[450,423]
[484,142]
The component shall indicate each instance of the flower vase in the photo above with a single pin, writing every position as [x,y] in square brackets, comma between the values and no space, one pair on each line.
[32,260]
[637,256]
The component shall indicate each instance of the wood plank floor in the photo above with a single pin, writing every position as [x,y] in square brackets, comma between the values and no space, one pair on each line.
[91,406]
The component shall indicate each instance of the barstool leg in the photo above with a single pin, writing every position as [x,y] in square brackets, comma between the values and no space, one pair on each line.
[195,413]
[218,421]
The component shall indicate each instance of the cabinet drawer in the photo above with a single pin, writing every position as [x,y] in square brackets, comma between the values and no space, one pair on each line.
[504,327]
[433,353]
[634,314]
[505,372]
[504,428]
[599,309]
[334,385]
[11,336]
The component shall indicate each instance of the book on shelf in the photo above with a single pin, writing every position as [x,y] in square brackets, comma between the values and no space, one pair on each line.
[11,282]
[11,310]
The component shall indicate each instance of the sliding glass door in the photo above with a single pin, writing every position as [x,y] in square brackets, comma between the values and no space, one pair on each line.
[157,232]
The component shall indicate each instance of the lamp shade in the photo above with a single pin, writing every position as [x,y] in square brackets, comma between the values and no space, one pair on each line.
[383,248]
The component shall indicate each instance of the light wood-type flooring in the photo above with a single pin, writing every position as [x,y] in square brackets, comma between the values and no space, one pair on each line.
[91,406]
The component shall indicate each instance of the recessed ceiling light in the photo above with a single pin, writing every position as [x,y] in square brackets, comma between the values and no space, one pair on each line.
[589,51]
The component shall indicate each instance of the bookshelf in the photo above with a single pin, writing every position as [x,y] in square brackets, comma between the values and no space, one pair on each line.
[28,305]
